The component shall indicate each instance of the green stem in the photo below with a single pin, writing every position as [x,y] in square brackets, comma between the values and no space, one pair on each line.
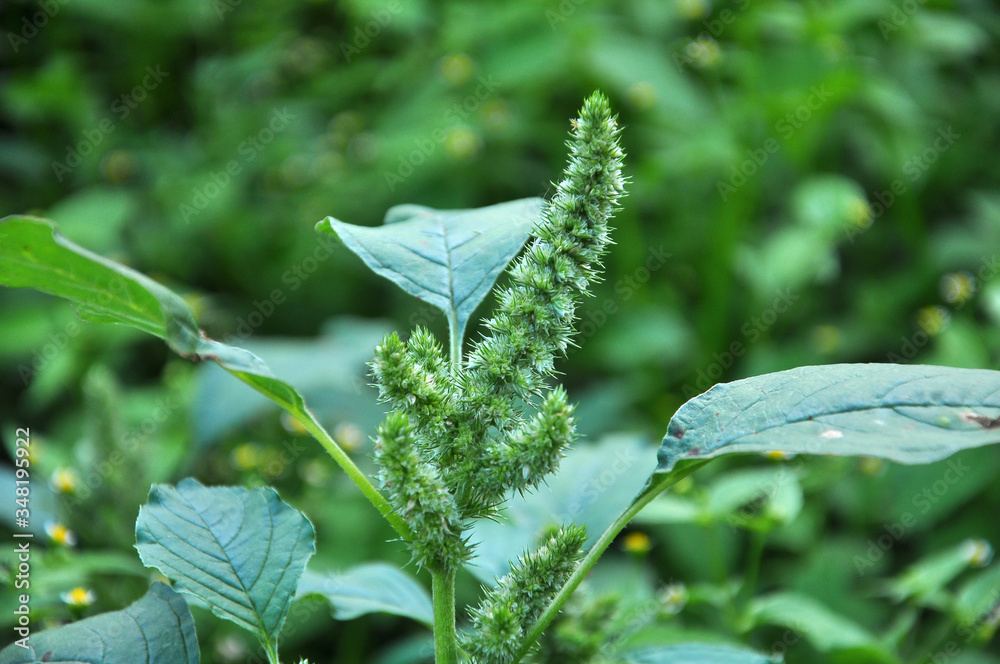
[716,559]
[309,423]
[349,467]
[657,485]
[272,652]
[454,340]
[445,638]
[758,538]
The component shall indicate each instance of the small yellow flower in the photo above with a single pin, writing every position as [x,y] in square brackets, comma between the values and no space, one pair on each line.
[78,597]
[457,68]
[859,213]
[674,597]
[871,466]
[247,456]
[779,455]
[642,95]
[462,143]
[979,552]
[60,534]
[65,480]
[637,542]
[349,436]
[497,114]
[825,339]
[933,320]
[704,52]
[692,9]
[34,451]
[958,287]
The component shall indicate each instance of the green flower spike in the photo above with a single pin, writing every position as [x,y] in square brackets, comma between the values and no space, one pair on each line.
[509,610]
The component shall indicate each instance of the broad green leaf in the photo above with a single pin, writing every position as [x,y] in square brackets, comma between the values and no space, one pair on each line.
[370,588]
[240,551]
[156,629]
[447,258]
[34,255]
[698,654]
[910,414]
[824,629]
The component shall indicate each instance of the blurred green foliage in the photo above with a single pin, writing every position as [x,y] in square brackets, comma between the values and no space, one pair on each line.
[812,182]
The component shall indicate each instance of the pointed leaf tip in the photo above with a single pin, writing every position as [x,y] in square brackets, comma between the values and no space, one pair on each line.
[447,258]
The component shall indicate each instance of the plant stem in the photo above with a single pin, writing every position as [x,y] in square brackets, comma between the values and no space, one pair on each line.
[309,423]
[445,639]
[349,467]
[758,538]
[658,484]
[454,340]
[272,652]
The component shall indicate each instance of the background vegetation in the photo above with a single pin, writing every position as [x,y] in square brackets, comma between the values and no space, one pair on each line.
[811,182]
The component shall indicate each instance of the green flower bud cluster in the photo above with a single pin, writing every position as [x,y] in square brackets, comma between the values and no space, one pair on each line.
[462,436]
[534,323]
[415,488]
[508,611]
